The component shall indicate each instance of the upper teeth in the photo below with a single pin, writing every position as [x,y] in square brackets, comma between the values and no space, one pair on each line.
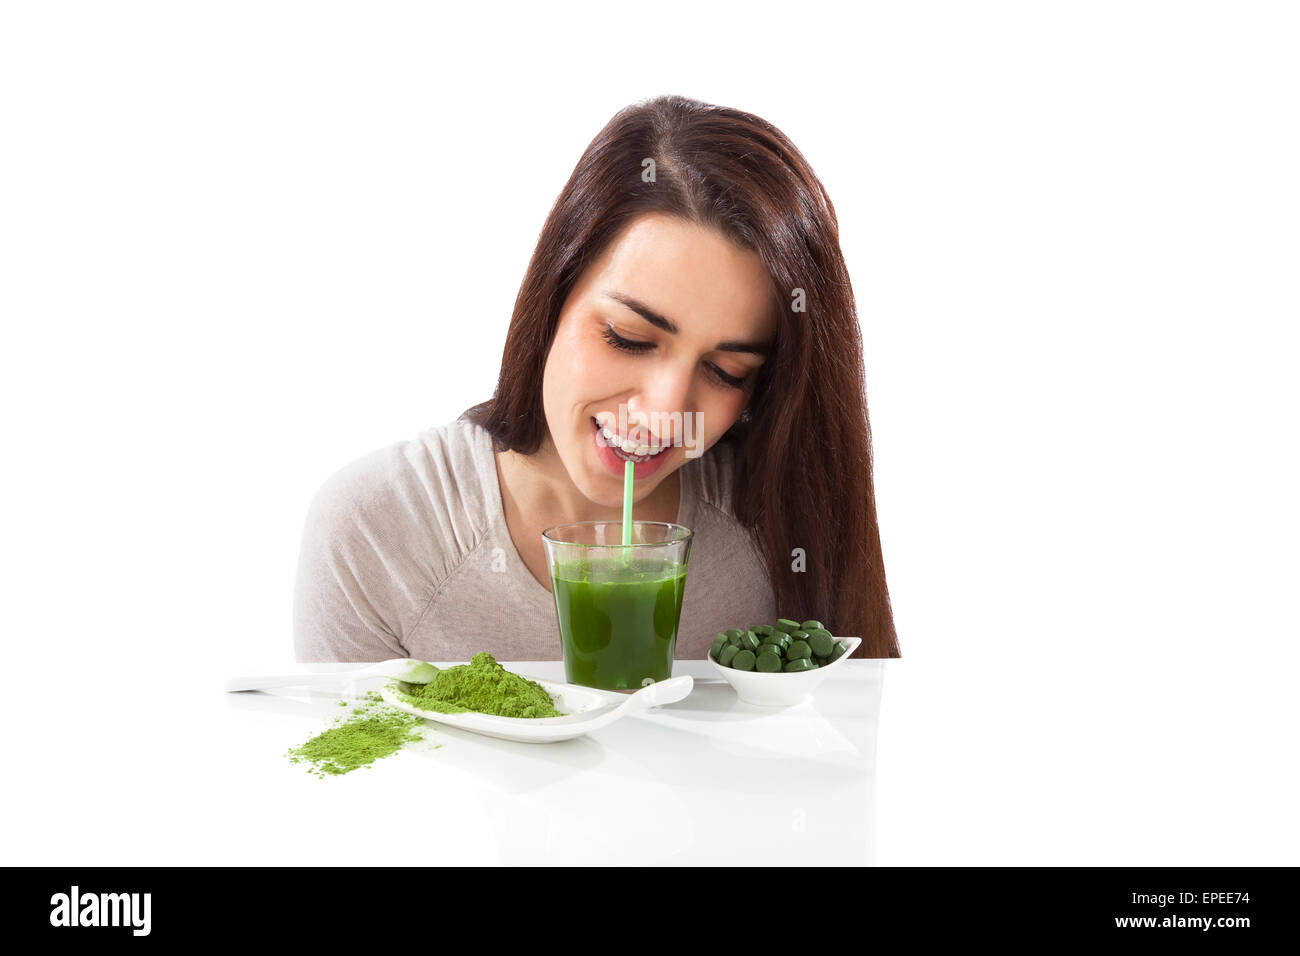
[628,445]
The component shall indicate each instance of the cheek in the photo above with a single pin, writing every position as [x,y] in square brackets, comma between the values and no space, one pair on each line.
[720,413]
[577,373]
[586,369]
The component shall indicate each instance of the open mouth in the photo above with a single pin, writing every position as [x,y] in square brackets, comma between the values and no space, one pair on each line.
[626,450]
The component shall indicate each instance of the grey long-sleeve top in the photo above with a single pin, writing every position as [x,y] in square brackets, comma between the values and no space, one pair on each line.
[406,553]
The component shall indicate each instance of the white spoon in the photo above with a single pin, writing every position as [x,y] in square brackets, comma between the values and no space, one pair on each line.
[584,709]
[402,668]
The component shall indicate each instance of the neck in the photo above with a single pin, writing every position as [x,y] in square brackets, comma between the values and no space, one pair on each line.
[538,486]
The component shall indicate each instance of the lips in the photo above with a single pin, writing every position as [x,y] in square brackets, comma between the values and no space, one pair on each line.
[613,459]
[627,448]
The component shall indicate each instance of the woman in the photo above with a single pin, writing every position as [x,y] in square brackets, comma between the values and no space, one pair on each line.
[687,306]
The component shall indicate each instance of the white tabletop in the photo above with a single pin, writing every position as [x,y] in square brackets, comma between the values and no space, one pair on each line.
[707,780]
[1003,761]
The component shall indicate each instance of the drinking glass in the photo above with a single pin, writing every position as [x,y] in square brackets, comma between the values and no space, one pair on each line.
[618,605]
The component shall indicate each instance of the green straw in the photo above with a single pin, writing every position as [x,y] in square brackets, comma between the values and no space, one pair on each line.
[627,510]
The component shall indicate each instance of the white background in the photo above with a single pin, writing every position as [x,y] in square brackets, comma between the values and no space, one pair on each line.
[243,243]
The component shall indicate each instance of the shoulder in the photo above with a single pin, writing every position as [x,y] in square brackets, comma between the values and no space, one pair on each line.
[423,500]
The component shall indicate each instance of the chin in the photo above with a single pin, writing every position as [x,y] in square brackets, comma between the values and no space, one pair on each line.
[605,500]
[590,486]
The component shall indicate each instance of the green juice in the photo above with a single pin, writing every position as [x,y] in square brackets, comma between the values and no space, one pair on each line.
[618,622]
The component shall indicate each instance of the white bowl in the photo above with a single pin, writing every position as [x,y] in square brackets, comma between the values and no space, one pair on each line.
[781,688]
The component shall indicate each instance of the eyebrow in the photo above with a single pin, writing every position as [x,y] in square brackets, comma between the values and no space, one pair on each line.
[657,320]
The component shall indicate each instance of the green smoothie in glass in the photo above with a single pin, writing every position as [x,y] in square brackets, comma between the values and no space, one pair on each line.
[617,607]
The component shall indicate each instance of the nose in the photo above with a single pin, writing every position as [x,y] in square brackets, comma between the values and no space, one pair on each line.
[661,402]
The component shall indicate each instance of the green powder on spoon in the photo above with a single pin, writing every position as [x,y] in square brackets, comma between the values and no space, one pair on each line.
[484,686]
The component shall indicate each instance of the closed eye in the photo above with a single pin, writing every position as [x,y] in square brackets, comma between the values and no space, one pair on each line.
[628,345]
[729,380]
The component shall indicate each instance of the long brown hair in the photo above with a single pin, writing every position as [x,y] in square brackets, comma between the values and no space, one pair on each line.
[807,434]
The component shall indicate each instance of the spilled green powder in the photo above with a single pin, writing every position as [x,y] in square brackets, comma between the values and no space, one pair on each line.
[484,686]
[370,731]
[373,730]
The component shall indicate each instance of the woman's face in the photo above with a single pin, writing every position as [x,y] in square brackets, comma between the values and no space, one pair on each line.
[660,341]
